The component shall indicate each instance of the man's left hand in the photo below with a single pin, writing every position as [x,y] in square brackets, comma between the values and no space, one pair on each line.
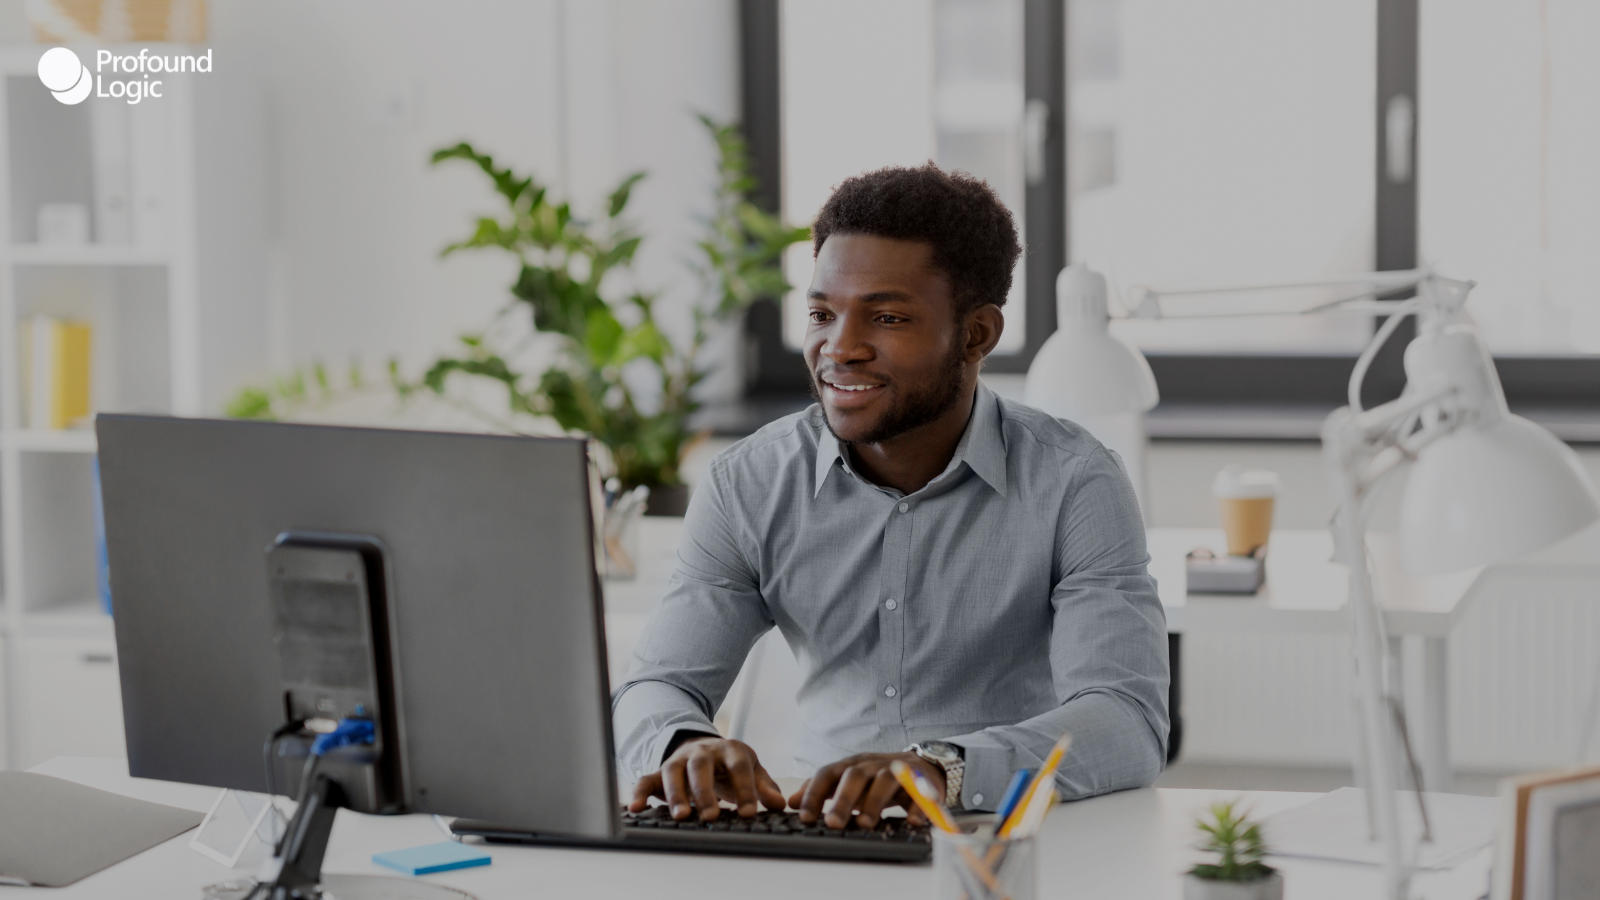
[863,784]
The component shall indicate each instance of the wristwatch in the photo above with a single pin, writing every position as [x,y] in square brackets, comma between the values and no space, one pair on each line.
[948,757]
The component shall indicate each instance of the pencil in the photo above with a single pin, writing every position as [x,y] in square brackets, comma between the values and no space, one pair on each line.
[913,785]
[934,812]
[1045,775]
[1013,795]
[1033,819]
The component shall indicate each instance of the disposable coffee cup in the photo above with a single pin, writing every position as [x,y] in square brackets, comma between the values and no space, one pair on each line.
[1245,498]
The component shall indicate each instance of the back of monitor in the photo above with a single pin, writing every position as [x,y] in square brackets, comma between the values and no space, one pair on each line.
[500,636]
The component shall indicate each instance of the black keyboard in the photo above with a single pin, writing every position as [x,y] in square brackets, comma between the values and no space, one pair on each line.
[765,834]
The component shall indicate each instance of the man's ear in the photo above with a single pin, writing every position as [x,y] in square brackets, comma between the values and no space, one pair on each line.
[984,326]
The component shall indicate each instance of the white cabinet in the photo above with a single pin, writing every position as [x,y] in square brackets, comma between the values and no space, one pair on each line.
[68,700]
[170,280]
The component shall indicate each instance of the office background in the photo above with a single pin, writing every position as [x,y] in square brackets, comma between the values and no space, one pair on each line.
[1168,143]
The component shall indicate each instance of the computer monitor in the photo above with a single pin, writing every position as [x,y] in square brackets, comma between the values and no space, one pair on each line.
[480,561]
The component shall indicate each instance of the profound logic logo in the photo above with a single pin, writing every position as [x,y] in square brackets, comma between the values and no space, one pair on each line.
[71,82]
[67,78]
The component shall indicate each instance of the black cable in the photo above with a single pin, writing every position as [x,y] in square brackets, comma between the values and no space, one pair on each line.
[268,749]
[306,775]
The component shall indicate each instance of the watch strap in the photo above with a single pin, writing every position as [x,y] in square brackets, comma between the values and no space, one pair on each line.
[954,772]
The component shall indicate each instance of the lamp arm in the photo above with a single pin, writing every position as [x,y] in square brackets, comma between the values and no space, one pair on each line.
[1377,748]
[1383,437]
[1370,352]
[1147,301]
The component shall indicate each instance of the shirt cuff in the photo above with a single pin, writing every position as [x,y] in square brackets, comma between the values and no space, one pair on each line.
[658,751]
[988,770]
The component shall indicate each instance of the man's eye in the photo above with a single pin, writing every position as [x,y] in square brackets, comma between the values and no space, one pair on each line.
[890,319]
[819,316]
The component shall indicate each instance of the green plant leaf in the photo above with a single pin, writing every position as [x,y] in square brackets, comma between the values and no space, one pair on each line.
[251,403]
[602,335]
[618,200]
[645,340]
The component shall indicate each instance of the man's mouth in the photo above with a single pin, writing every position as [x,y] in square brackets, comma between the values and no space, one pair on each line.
[847,394]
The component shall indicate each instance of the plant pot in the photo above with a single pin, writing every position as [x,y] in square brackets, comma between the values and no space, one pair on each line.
[1268,888]
[667,500]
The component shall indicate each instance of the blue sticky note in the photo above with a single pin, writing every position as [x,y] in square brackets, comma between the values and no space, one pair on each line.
[440,857]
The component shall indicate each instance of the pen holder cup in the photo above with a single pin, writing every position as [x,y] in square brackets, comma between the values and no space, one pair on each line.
[978,866]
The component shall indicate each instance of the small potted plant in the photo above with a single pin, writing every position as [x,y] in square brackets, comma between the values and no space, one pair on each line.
[1238,873]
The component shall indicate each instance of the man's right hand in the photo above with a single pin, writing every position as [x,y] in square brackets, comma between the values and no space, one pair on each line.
[705,770]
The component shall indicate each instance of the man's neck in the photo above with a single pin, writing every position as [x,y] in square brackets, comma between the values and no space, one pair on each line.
[908,461]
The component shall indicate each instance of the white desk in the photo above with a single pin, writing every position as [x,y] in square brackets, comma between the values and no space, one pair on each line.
[1134,844]
[1304,593]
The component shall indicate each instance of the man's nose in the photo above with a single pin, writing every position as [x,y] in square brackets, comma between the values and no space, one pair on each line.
[846,342]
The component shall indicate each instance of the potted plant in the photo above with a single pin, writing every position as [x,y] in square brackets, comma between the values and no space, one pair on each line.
[1239,872]
[605,328]
[599,331]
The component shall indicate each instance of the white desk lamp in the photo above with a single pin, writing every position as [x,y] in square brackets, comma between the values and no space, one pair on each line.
[1486,485]
[1088,375]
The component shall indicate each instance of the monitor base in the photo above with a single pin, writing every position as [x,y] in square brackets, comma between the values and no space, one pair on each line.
[347,887]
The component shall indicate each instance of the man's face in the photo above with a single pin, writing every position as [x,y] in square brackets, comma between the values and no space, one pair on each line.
[884,347]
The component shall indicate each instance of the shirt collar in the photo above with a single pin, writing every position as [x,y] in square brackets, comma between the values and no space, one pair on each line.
[982,446]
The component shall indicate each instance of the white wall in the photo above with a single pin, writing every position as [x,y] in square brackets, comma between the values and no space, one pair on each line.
[857,95]
[360,92]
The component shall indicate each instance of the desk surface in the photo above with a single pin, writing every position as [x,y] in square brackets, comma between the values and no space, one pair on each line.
[1132,844]
[1305,590]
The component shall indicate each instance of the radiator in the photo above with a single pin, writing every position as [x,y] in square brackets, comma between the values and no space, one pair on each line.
[1522,665]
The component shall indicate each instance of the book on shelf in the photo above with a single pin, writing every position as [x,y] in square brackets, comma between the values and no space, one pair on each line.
[56,359]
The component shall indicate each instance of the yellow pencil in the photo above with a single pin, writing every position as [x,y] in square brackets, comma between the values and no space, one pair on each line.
[912,784]
[1045,775]
[934,812]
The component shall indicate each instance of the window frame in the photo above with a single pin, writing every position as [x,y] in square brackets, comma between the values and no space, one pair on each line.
[1190,383]
[774,368]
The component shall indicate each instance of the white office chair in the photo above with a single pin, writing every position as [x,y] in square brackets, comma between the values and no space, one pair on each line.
[760,709]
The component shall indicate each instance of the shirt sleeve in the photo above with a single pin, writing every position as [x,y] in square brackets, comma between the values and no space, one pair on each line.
[697,640]
[1108,656]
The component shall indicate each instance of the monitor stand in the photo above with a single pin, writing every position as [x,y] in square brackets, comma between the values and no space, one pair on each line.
[298,864]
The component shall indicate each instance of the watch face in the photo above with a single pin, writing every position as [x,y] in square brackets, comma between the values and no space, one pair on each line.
[940,750]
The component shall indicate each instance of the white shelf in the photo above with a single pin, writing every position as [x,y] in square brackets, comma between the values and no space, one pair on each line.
[87,610]
[82,617]
[63,441]
[85,255]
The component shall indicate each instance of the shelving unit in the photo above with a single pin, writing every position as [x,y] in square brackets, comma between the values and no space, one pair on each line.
[138,282]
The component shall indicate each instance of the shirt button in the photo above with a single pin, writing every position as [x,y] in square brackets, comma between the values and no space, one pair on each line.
[905,507]
[977,799]
[890,691]
[891,604]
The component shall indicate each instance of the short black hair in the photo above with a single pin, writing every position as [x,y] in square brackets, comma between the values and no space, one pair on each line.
[973,236]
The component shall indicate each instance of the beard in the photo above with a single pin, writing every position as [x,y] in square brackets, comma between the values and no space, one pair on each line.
[911,410]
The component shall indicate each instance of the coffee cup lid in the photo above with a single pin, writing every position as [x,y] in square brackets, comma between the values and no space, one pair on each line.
[1237,482]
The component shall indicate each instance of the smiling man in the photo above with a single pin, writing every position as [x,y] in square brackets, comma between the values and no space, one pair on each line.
[960,577]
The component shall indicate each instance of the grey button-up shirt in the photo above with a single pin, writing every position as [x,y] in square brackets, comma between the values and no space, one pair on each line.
[1002,604]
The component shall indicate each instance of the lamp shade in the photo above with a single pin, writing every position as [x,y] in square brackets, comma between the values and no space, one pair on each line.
[1486,495]
[1495,488]
[1083,370]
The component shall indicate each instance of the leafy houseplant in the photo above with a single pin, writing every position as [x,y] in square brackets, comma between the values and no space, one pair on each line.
[1239,872]
[562,282]
[601,325]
